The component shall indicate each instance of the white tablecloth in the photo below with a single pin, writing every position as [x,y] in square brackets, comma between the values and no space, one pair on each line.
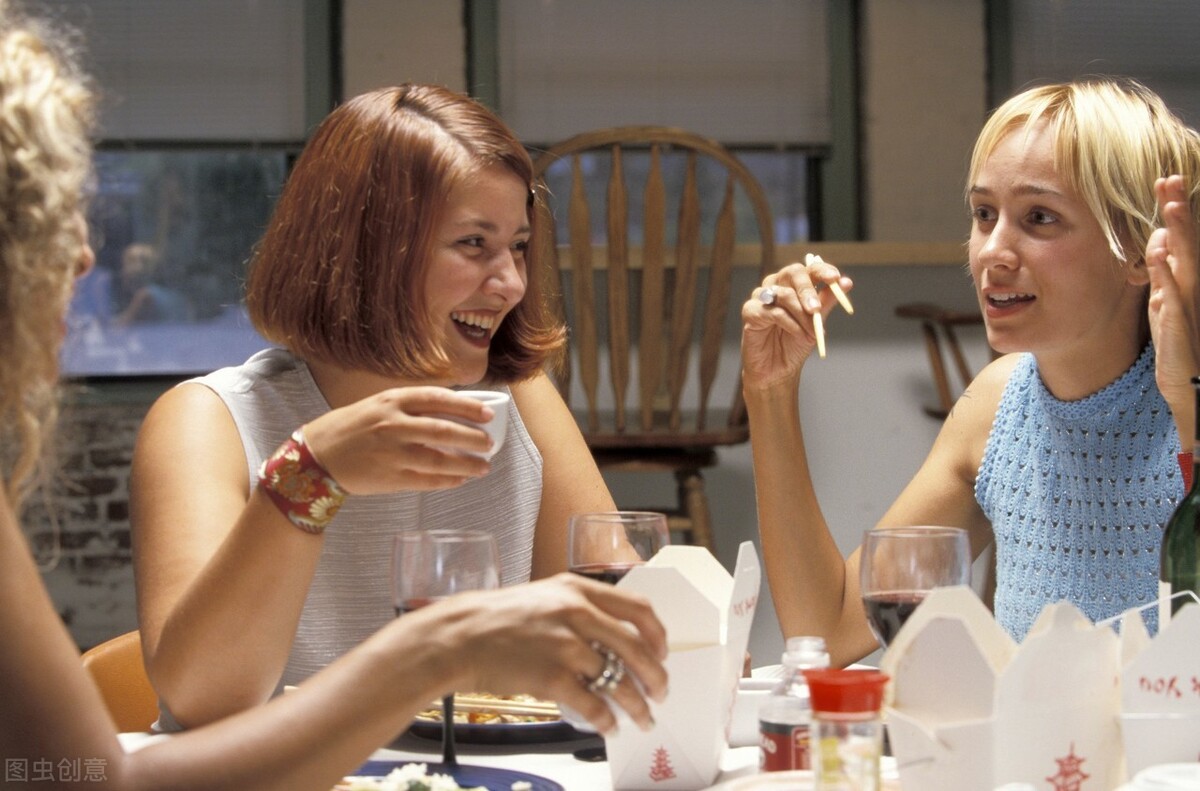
[553,760]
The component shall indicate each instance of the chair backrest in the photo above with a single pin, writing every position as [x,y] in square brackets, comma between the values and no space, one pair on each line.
[660,309]
[119,671]
[938,325]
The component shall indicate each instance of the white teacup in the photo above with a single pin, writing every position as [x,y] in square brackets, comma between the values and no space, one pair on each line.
[497,427]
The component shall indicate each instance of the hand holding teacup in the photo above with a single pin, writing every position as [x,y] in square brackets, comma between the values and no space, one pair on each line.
[403,438]
[496,427]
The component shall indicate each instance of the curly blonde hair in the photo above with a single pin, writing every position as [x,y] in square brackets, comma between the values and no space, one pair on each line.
[46,115]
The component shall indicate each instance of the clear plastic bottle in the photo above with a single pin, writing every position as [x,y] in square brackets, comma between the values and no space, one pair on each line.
[847,728]
[785,718]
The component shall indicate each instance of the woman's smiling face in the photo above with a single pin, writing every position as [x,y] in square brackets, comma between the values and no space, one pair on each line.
[478,273]
[1045,276]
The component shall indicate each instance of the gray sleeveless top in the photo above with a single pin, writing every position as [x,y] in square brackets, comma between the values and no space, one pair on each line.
[271,395]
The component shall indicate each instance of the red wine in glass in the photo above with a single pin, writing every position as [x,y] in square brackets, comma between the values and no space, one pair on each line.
[899,566]
[887,612]
[605,546]
[610,573]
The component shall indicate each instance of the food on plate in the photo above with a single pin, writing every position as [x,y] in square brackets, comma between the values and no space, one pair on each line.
[410,777]
[414,777]
[486,709]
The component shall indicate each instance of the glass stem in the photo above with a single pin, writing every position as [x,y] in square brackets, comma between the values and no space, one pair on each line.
[449,758]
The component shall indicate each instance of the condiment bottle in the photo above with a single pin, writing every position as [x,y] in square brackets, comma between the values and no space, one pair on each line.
[785,717]
[847,729]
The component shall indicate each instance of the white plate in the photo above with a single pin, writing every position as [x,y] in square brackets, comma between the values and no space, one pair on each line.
[799,780]
[1166,777]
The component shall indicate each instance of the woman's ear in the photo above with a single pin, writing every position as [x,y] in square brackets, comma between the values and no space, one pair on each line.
[1137,273]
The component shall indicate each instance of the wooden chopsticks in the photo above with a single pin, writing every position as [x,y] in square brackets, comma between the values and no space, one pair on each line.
[838,293]
[517,708]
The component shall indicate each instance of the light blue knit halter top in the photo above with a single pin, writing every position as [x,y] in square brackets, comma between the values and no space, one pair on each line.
[1078,493]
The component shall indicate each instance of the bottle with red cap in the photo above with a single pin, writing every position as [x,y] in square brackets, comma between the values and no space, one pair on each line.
[847,728]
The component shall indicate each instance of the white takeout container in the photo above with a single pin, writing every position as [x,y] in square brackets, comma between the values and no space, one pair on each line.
[970,709]
[1160,692]
[707,613]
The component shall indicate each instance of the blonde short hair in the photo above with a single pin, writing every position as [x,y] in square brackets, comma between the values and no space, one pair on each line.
[46,113]
[1112,138]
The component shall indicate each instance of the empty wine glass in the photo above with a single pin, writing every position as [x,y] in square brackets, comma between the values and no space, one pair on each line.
[428,565]
[605,546]
[900,565]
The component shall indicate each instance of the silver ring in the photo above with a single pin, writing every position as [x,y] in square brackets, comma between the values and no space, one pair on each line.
[767,296]
[610,677]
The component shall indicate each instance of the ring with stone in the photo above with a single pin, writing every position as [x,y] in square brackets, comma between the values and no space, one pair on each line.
[767,296]
[610,676]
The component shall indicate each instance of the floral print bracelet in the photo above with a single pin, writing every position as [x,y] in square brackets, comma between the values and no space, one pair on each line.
[300,487]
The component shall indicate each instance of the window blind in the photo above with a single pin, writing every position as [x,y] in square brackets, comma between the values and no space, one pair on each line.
[1151,42]
[198,70]
[752,72]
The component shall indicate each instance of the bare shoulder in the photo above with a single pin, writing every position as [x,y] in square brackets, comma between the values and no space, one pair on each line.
[551,424]
[970,421]
[191,421]
[188,409]
[982,396]
[542,407]
[536,389]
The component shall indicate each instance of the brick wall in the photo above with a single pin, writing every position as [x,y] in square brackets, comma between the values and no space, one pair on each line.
[92,582]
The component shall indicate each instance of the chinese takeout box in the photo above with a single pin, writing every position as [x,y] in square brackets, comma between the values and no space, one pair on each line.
[970,709]
[707,614]
[1160,692]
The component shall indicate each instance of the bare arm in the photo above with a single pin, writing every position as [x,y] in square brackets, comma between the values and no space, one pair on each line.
[504,641]
[571,482]
[222,576]
[805,569]
[815,590]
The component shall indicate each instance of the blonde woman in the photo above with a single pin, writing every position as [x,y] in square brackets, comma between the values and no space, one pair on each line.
[536,636]
[1065,452]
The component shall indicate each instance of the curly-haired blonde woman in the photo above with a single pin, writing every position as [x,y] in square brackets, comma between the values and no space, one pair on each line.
[537,636]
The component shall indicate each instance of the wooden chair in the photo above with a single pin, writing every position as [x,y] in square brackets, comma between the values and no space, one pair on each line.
[938,325]
[119,671]
[660,313]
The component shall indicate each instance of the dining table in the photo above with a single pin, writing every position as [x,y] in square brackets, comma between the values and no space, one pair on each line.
[552,760]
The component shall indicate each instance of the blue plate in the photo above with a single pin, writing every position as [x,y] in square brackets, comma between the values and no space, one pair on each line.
[489,777]
[500,732]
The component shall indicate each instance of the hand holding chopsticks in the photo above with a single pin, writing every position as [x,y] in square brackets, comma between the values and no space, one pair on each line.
[769,296]
[838,293]
[784,320]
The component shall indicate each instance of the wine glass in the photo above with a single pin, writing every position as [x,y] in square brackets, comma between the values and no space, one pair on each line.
[428,565]
[605,546]
[900,565]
